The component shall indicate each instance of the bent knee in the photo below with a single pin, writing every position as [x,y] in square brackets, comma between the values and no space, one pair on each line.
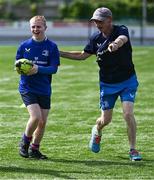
[103,121]
[36,118]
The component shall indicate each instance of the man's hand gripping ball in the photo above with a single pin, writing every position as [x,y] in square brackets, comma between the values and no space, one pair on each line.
[23,66]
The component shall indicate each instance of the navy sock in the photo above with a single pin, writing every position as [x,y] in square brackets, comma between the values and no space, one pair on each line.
[27,139]
[132,149]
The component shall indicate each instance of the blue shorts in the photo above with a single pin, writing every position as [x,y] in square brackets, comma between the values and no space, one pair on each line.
[30,98]
[108,101]
[110,92]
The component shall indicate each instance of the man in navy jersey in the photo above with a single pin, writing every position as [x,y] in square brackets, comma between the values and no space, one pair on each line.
[35,87]
[117,77]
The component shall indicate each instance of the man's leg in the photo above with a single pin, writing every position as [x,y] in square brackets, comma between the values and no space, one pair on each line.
[101,122]
[105,119]
[131,124]
[107,103]
[131,129]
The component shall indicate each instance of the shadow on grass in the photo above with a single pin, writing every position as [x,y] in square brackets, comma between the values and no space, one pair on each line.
[104,162]
[63,173]
[57,174]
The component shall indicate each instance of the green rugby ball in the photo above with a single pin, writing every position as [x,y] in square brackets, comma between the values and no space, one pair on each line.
[23,66]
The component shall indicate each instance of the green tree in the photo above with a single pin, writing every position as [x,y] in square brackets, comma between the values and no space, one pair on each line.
[33,5]
[6,7]
[78,9]
[122,9]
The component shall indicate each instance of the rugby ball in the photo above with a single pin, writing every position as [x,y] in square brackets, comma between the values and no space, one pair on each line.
[23,66]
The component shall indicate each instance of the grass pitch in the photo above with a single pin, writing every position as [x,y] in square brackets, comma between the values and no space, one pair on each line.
[75,107]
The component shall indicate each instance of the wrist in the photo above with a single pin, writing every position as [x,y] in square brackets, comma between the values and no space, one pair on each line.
[116,44]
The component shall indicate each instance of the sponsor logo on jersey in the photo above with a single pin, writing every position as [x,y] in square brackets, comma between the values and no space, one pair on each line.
[99,45]
[45,53]
[36,58]
[27,49]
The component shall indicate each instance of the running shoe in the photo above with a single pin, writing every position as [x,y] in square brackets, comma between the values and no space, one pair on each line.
[94,144]
[23,149]
[36,154]
[134,155]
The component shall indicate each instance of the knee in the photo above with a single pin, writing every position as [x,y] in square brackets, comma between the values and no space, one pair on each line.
[103,121]
[35,118]
[128,116]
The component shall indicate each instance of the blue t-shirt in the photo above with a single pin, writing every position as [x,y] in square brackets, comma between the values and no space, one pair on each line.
[115,66]
[45,54]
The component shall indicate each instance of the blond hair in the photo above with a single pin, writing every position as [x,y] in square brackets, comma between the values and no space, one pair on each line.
[38,18]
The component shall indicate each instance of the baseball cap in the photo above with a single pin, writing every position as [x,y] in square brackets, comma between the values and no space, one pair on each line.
[101,14]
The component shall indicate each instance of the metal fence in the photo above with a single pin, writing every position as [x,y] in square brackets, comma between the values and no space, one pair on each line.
[76,33]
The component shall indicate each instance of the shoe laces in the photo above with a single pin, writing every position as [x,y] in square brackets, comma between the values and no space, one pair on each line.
[134,153]
[97,139]
[38,153]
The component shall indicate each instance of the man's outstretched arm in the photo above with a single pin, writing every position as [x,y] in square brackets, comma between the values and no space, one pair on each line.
[74,55]
[117,43]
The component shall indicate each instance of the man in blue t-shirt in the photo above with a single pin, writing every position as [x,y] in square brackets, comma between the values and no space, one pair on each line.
[35,87]
[112,47]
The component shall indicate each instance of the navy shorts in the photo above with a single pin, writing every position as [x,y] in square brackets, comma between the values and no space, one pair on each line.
[30,98]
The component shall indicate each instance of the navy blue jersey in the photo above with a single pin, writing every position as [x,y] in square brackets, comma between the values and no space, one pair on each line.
[115,66]
[43,54]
